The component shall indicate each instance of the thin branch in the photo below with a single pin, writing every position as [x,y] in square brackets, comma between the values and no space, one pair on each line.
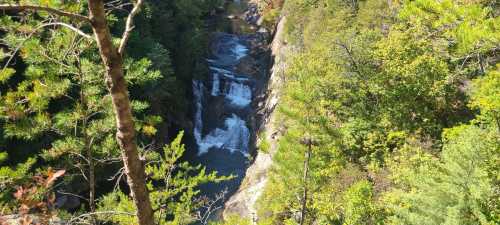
[118,176]
[46,9]
[75,195]
[209,206]
[112,8]
[129,26]
[82,171]
[78,31]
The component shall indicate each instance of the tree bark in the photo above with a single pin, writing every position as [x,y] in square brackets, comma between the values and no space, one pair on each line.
[304,180]
[115,81]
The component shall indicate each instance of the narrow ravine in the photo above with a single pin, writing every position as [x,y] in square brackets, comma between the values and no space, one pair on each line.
[230,107]
[222,109]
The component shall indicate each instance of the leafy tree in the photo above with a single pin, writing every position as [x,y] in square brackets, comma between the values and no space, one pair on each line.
[9,178]
[377,82]
[358,205]
[82,131]
[425,58]
[172,185]
[486,98]
[458,189]
[112,58]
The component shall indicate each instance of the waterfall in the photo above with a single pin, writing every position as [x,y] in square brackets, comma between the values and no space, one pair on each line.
[239,51]
[198,98]
[215,84]
[233,135]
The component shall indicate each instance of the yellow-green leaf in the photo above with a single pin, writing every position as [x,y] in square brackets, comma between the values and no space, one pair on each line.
[5,74]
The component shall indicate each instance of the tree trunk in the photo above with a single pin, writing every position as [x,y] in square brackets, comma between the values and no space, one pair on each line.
[90,158]
[87,142]
[125,134]
[91,184]
[304,180]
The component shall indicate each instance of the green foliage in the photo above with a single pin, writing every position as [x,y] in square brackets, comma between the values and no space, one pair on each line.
[55,103]
[263,144]
[486,96]
[5,74]
[458,189]
[383,86]
[121,208]
[233,219]
[358,205]
[169,179]
[61,97]
[9,178]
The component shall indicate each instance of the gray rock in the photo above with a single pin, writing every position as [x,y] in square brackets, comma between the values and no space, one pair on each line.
[16,219]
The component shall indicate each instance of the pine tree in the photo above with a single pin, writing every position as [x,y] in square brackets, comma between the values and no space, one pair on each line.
[113,61]
[172,185]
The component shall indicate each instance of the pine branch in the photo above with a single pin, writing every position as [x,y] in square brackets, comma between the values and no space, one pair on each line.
[50,10]
[38,28]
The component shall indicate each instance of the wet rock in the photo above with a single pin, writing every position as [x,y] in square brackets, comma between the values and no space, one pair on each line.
[264,33]
[216,113]
[247,66]
[252,15]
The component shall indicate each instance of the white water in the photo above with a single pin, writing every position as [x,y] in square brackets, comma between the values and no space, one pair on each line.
[227,74]
[220,70]
[239,94]
[234,135]
[215,84]
[239,51]
[198,121]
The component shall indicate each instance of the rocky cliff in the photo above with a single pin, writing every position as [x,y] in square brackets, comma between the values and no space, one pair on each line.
[243,203]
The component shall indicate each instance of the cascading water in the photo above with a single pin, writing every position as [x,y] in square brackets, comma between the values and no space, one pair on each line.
[233,135]
[215,84]
[222,109]
[239,94]
[198,98]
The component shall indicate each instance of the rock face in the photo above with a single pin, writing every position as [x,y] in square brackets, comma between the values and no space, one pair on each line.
[20,220]
[243,203]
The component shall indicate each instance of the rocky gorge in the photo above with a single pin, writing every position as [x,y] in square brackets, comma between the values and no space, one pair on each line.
[234,108]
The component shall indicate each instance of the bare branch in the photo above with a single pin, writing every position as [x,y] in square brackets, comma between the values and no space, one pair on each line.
[75,195]
[129,26]
[118,176]
[209,207]
[46,9]
[76,30]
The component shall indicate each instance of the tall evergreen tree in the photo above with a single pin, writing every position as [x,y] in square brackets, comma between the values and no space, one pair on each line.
[112,58]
